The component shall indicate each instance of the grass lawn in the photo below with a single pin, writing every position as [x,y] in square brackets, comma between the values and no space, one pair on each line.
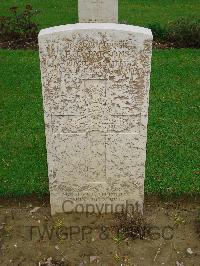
[172,158]
[138,12]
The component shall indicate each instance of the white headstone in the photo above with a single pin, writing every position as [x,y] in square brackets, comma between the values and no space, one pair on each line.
[95,83]
[102,11]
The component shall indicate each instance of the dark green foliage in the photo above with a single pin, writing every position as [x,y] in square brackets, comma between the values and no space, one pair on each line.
[185,32]
[159,32]
[182,33]
[19,26]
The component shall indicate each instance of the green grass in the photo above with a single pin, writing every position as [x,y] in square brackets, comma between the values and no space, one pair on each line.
[137,12]
[23,166]
[173,145]
[174,129]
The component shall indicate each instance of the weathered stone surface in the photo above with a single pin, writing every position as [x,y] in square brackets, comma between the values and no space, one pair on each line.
[95,81]
[98,11]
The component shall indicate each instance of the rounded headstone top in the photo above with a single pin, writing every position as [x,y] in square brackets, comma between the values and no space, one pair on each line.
[97,26]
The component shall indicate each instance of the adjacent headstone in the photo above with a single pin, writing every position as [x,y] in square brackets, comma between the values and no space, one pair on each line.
[95,81]
[101,11]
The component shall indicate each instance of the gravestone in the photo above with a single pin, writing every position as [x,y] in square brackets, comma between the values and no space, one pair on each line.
[95,84]
[102,11]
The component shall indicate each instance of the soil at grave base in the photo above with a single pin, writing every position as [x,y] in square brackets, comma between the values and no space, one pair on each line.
[78,239]
[33,45]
